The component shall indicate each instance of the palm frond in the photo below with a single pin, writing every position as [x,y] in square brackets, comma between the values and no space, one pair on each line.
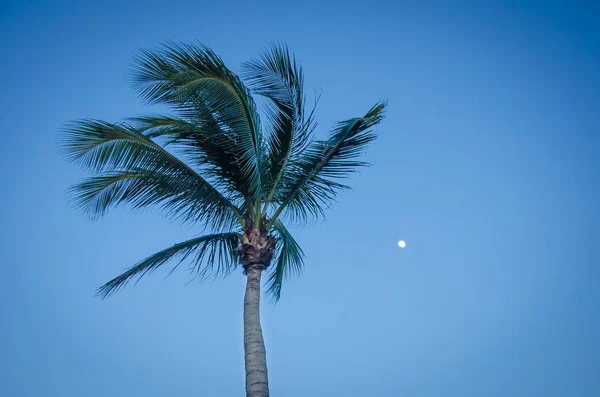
[312,184]
[289,261]
[178,195]
[198,85]
[277,76]
[211,255]
[204,144]
[134,167]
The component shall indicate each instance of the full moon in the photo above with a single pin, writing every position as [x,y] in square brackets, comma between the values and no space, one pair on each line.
[401,244]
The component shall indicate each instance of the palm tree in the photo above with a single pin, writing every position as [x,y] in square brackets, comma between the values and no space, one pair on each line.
[212,163]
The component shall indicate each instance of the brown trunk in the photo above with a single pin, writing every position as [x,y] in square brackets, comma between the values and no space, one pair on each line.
[257,384]
[256,246]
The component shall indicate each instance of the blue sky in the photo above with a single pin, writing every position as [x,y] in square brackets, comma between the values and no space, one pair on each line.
[487,166]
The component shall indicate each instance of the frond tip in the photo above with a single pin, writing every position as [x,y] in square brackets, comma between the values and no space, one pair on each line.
[212,255]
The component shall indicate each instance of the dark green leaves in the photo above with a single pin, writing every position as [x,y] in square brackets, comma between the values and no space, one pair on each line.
[311,183]
[211,255]
[289,261]
[194,81]
[204,145]
[134,169]
[277,76]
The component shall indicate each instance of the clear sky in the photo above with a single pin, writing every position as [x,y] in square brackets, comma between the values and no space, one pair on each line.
[488,167]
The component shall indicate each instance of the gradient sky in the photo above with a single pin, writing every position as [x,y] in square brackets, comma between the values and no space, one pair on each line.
[488,167]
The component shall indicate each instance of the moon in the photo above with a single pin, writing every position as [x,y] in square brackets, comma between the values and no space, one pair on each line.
[401,244]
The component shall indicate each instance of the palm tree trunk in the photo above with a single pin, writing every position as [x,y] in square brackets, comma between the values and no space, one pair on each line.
[257,384]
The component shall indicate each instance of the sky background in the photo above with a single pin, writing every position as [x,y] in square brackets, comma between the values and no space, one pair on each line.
[487,165]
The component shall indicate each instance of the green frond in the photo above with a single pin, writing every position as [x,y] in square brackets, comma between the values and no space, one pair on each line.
[289,261]
[311,185]
[134,168]
[179,197]
[198,85]
[212,255]
[204,144]
[98,145]
[277,76]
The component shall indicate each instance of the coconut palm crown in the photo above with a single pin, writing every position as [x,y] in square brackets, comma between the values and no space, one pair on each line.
[213,162]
